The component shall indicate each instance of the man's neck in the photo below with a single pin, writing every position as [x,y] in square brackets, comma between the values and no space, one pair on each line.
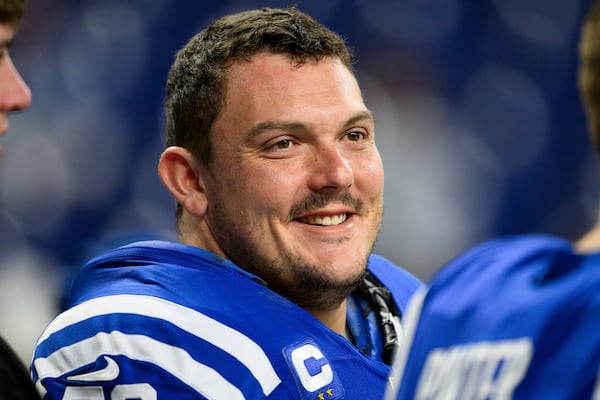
[335,319]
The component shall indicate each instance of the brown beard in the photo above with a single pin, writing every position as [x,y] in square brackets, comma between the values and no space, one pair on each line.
[309,286]
[313,291]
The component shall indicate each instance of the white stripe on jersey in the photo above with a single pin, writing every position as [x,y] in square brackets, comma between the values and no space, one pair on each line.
[238,345]
[175,360]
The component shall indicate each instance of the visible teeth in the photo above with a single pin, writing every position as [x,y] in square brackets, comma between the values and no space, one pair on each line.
[325,221]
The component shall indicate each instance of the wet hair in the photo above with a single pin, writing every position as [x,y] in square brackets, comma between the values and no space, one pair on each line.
[589,70]
[196,83]
[11,11]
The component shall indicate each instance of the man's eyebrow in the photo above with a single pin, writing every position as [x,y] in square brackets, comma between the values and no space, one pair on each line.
[361,116]
[272,125]
[289,126]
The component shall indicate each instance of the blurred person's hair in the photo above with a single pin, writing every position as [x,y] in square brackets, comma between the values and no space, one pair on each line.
[589,70]
[11,11]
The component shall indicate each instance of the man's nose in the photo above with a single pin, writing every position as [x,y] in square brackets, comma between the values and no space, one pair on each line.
[15,95]
[330,170]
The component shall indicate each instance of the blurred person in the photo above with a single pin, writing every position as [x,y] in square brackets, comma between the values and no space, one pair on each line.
[516,317]
[273,291]
[15,382]
[14,92]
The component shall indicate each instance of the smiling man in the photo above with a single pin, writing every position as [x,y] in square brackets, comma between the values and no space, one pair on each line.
[273,291]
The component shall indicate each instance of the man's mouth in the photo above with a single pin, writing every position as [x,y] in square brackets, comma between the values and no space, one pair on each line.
[324,220]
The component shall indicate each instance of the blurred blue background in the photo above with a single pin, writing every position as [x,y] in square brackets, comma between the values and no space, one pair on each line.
[479,123]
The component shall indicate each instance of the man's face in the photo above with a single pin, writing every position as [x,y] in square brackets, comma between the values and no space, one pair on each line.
[295,189]
[14,93]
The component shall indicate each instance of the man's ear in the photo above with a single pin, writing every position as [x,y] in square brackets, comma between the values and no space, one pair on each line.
[178,170]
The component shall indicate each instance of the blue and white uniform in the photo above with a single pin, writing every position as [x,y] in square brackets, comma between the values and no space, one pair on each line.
[514,318]
[161,320]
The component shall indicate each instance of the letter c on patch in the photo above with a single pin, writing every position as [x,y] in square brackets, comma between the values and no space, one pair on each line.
[301,357]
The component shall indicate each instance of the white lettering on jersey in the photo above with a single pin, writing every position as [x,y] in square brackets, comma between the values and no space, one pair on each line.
[141,391]
[486,370]
[311,382]
[137,391]
[83,393]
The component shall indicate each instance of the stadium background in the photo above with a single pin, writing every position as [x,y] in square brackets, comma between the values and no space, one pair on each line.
[479,123]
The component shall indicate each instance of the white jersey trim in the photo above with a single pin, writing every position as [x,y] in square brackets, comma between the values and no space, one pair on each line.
[175,360]
[238,345]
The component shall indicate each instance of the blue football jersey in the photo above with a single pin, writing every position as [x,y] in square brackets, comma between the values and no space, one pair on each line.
[514,318]
[160,320]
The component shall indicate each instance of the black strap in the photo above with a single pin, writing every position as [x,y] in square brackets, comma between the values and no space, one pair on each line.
[381,301]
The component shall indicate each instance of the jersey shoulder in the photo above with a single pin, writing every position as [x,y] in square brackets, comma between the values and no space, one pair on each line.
[178,320]
[524,306]
[494,284]
[534,260]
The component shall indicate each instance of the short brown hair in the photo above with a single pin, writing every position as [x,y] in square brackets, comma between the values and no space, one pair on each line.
[11,11]
[589,70]
[196,82]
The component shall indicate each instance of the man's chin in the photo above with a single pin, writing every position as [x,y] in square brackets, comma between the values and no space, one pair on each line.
[324,293]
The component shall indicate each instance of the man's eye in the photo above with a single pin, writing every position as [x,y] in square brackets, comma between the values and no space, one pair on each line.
[356,136]
[282,144]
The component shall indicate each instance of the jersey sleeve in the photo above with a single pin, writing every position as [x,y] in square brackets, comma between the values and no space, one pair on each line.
[143,347]
[450,288]
[519,311]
